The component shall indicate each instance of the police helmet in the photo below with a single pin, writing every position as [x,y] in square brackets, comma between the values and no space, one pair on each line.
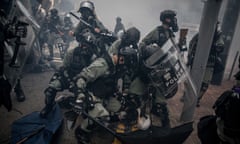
[86,5]
[54,11]
[167,14]
[131,36]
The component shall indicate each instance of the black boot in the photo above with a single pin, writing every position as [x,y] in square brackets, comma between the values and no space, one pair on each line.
[19,92]
[160,110]
[82,136]
[50,94]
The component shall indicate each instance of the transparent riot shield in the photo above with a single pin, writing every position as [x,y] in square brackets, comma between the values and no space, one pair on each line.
[169,75]
[166,72]
[189,95]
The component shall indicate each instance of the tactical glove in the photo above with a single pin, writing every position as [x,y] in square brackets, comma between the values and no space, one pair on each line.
[78,105]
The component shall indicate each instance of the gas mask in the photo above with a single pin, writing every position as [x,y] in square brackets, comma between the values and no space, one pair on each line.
[174,24]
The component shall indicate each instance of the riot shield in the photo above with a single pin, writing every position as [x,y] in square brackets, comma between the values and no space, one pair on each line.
[168,73]
[167,68]
[190,95]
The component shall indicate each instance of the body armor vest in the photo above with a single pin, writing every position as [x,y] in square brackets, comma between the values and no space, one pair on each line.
[104,87]
[80,59]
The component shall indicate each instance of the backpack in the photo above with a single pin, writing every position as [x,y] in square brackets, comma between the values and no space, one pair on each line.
[227,108]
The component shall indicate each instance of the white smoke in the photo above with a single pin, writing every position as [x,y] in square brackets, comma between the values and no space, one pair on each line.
[144,14]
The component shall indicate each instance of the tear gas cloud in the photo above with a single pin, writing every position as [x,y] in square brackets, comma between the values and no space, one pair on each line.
[144,14]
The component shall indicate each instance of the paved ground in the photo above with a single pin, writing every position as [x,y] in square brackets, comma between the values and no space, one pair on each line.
[35,83]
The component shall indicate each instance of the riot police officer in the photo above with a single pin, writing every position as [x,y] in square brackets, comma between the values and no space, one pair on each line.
[100,78]
[130,87]
[9,30]
[119,26]
[214,64]
[91,23]
[161,33]
[87,10]
[75,60]
[155,40]
[50,30]
[67,27]
[54,24]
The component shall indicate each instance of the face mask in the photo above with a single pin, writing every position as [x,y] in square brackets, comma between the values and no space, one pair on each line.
[174,25]
[86,14]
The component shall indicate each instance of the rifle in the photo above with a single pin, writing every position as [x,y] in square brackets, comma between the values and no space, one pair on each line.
[107,35]
[83,21]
